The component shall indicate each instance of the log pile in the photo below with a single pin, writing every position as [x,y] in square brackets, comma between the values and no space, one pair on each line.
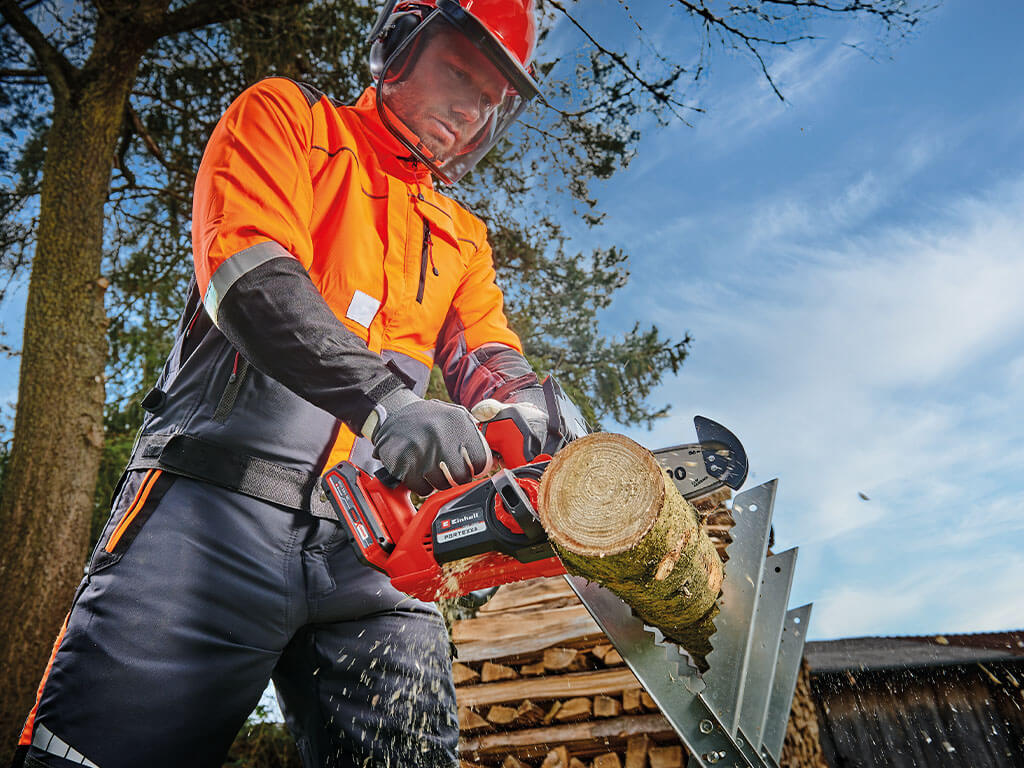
[539,686]
[802,746]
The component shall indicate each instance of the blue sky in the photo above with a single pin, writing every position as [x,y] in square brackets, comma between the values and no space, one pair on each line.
[851,265]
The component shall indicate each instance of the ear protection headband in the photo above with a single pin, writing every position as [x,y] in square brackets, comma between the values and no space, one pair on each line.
[395,31]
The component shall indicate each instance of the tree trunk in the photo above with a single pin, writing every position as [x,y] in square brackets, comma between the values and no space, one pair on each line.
[613,519]
[47,494]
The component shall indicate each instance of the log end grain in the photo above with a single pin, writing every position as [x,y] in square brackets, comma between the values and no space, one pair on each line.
[597,473]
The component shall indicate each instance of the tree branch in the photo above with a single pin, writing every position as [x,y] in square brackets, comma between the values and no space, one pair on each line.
[59,72]
[202,13]
[659,91]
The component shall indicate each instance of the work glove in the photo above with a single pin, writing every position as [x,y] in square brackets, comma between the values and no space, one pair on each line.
[428,444]
[531,405]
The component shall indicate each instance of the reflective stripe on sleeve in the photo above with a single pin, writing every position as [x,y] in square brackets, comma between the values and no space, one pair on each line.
[44,739]
[235,267]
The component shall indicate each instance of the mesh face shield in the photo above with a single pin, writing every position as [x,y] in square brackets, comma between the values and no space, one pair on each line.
[450,90]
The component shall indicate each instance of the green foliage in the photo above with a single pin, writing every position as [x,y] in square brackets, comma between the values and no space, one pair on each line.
[263,745]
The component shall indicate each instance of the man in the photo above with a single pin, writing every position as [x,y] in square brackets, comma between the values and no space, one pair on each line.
[330,277]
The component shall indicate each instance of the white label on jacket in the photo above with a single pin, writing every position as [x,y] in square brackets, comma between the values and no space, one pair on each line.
[362,309]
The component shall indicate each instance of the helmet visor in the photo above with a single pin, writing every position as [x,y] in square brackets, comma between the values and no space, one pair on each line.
[450,91]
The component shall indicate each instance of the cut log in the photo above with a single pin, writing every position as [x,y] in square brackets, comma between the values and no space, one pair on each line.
[497,636]
[534,593]
[575,762]
[470,721]
[631,700]
[573,710]
[636,751]
[530,670]
[614,519]
[528,714]
[647,702]
[607,760]
[511,762]
[612,658]
[543,688]
[559,659]
[555,706]
[606,706]
[556,758]
[534,742]
[499,714]
[463,675]
[600,651]
[491,672]
[666,757]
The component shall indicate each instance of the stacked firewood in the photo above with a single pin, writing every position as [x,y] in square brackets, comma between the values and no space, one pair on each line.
[571,703]
[802,746]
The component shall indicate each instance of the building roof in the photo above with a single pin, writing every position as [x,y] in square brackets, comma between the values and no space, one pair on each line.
[877,653]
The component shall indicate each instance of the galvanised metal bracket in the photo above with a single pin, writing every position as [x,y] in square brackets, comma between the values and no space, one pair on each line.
[735,713]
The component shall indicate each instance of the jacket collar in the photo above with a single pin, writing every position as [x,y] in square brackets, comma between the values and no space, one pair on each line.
[394,156]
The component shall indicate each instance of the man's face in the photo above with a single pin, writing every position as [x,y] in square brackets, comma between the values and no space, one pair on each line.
[449,94]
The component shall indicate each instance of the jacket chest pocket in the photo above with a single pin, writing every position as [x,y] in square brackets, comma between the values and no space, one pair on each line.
[441,262]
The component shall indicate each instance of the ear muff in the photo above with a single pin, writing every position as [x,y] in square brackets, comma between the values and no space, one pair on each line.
[397,30]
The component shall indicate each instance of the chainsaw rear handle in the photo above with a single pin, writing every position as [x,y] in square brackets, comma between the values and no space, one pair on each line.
[370,507]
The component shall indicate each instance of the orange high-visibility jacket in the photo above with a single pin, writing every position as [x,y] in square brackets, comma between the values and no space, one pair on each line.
[293,184]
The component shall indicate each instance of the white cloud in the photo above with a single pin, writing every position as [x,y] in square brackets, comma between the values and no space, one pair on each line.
[887,364]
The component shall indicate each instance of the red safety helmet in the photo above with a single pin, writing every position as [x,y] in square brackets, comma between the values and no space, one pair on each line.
[451,77]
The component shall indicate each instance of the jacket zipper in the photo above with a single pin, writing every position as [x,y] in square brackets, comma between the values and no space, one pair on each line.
[424,255]
[230,394]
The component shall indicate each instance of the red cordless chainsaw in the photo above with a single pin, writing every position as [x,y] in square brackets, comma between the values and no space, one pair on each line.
[486,533]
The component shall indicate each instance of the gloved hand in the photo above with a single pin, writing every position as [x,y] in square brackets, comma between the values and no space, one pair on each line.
[429,444]
[530,404]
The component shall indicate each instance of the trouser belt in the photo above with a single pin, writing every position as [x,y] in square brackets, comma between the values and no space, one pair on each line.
[201,459]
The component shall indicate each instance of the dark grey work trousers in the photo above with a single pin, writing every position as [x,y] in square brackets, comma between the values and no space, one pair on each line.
[207,595]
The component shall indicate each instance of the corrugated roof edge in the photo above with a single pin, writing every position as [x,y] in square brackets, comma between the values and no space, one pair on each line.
[876,653]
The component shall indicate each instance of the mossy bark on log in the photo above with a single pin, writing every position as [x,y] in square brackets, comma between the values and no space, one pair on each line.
[613,519]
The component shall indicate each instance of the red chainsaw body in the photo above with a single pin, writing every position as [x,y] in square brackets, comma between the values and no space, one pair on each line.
[421,550]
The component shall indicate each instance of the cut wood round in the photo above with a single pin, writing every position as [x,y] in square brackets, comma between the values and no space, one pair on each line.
[613,519]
